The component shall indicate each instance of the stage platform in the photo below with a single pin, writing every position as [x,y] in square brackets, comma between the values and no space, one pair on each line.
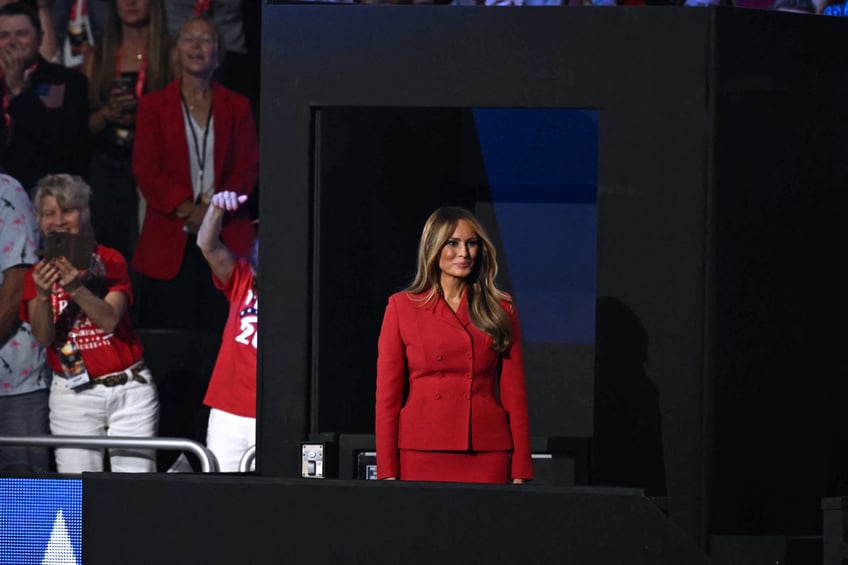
[210,519]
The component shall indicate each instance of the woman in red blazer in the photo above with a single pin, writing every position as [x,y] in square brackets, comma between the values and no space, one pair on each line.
[194,138]
[451,394]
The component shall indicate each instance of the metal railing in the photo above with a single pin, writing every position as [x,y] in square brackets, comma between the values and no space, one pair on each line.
[208,462]
[247,459]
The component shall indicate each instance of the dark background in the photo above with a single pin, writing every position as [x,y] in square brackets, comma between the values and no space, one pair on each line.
[718,282]
[530,176]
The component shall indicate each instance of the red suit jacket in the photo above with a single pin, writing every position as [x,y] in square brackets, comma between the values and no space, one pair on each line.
[452,376]
[162,170]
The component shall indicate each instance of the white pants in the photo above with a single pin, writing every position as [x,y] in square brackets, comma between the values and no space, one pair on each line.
[228,437]
[128,410]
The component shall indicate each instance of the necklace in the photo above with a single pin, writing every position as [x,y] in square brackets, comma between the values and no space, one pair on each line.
[142,71]
[190,105]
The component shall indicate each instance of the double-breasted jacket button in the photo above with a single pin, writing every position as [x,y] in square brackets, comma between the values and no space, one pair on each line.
[467,396]
[438,396]
[468,354]
[439,357]
[467,375]
[440,374]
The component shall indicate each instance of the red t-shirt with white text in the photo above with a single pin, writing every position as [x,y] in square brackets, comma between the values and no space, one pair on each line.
[233,384]
[102,352]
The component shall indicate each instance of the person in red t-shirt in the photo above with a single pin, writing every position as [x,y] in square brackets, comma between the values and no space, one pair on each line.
[231,395]
[81,315]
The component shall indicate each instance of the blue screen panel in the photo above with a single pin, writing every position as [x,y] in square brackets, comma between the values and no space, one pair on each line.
[40,521]
[542,169]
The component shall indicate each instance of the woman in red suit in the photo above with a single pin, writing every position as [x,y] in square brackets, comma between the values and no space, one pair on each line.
[451,394]
[193,139]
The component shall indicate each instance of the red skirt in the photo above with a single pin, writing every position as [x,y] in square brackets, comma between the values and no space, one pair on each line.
[455,466]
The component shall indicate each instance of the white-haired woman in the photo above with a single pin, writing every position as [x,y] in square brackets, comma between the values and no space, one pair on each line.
[100,386]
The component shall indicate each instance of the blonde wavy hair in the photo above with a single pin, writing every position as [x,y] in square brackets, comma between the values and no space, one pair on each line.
[484,297]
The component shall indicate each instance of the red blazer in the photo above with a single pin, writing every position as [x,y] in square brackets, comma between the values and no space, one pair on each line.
[451,372]
[163,173]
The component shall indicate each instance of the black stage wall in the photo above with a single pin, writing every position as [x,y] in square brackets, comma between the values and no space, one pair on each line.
[246,520]
[683,221]
[781,144]
[653,130]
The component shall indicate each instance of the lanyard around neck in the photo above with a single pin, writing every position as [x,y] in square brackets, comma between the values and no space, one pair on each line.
[200,153]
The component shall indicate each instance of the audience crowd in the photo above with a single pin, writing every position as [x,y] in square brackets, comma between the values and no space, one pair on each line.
[827,7]
[116,97]
[115,113]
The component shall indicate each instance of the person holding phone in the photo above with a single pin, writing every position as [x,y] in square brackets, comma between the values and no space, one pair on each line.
[100,386]
[131,60]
